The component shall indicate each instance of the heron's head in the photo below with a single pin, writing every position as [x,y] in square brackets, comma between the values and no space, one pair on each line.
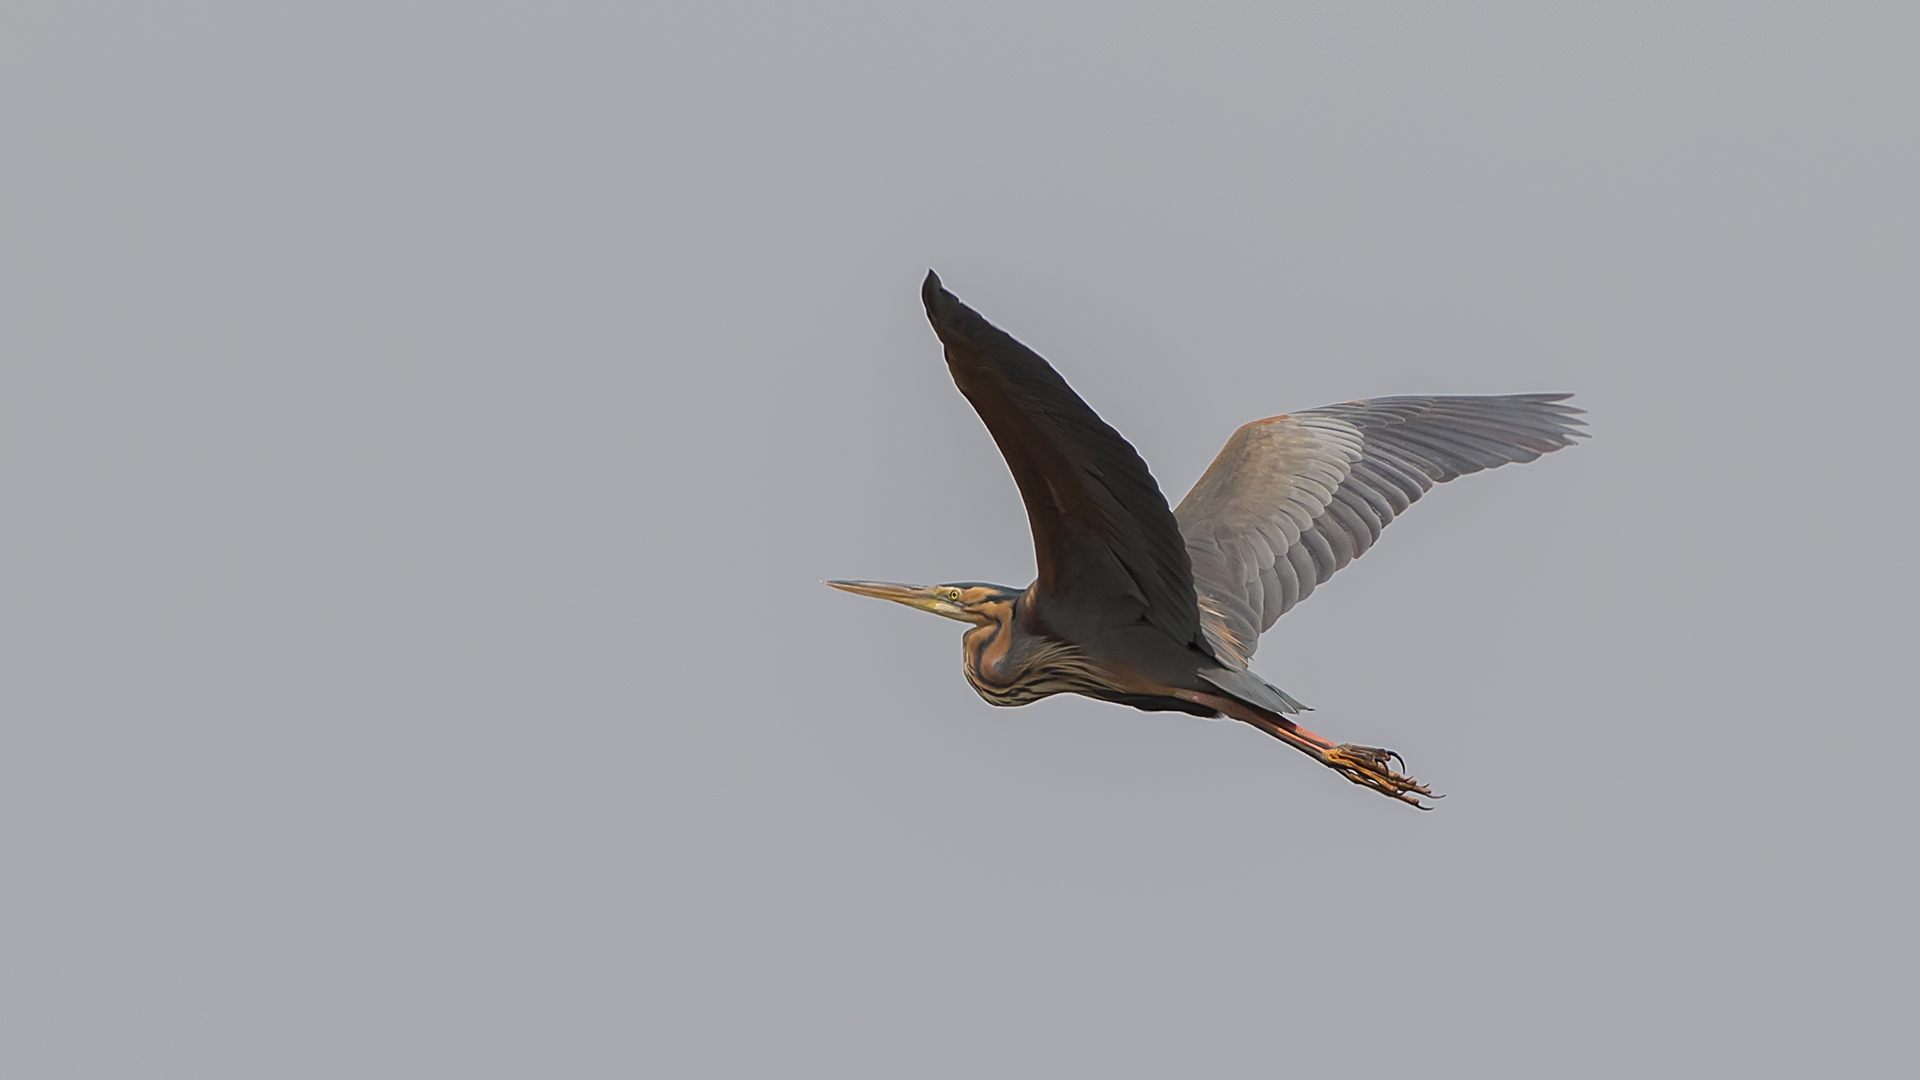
[968,601]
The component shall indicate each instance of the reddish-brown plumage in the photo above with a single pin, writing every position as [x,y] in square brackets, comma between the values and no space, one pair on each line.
[1161,609]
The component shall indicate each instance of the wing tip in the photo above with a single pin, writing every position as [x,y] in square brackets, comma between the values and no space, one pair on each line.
[953,321]
[940,303]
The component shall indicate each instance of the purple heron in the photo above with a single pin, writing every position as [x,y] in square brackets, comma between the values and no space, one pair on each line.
[1161,608]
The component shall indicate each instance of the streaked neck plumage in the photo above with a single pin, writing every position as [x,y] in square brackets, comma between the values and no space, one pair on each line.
[1009,664]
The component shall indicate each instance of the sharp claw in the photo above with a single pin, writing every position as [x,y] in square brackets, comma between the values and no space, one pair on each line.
[1371,767]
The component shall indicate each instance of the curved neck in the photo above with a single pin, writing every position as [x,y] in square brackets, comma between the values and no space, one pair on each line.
[1008,664]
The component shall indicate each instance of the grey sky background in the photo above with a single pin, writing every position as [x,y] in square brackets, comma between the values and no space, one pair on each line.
[426,427]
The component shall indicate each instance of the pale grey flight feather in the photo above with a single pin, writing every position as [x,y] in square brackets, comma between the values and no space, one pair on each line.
[1291,499]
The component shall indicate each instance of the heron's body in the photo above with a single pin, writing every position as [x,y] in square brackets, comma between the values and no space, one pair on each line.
[1161,609]
[1015,660]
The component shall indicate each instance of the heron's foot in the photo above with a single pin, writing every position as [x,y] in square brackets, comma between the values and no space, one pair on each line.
[1370,766]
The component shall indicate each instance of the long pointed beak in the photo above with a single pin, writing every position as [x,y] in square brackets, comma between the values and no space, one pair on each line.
[923,597]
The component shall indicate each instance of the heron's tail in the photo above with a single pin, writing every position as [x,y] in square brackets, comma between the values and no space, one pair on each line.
[1254,690]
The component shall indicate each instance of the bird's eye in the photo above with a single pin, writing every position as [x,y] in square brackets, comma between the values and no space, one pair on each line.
[953,595]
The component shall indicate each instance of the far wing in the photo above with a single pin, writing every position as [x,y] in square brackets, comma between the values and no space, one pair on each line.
[1292,499]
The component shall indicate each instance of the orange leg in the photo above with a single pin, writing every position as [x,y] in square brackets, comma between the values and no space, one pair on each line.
[1367,766]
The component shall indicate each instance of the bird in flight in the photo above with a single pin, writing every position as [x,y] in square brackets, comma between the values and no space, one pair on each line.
[1160,608]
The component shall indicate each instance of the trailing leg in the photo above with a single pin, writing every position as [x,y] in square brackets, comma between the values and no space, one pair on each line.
[1368,766]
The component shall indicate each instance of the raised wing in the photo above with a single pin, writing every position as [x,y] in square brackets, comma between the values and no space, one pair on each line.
[1108,549]
[1292,499]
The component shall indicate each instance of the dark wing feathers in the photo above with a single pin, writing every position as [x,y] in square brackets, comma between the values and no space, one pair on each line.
[1287,503]
[1292,499]
[1108,547]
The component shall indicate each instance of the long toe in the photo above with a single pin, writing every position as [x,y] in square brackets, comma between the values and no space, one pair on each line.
[1372,767]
